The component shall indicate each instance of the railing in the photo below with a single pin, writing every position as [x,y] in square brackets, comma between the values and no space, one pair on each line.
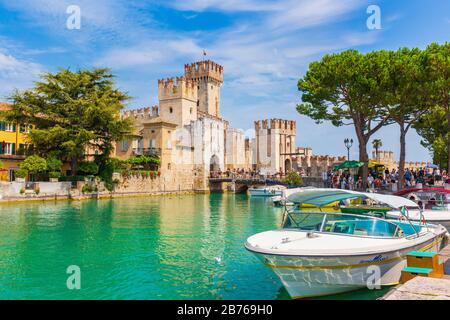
[147,151]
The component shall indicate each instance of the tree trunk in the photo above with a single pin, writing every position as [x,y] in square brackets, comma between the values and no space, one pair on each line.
[363,157]
[74,166]
[447,108]
[401,167]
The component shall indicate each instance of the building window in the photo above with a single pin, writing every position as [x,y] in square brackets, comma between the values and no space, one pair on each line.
[25,128]
[7,148]
[152,143]
[5,126]
[190,110]
[124,145]
[171,110]
[198,103]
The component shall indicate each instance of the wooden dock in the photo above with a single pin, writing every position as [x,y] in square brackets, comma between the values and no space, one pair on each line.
[421,288]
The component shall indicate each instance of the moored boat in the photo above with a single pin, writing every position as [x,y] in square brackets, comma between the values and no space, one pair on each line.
[321,253]
[433,203]
[267,191]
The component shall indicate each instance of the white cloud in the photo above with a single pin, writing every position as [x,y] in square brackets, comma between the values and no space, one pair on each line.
[228,5]
[16,74]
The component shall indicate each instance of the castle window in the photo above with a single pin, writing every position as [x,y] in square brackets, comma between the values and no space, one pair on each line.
[190,110]
[171,110]
[198,103]
[198,87]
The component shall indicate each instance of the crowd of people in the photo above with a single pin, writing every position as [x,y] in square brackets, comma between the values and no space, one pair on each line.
[387,180]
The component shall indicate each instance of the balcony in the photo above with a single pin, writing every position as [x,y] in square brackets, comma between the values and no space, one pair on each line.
[147,152]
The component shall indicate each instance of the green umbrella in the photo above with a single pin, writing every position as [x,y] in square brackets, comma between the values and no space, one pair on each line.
[348,165]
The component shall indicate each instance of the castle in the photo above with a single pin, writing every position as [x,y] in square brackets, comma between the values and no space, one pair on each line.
[186,129]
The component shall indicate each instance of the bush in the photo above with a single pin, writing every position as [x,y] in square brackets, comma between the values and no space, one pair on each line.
[34,164]
[88,168]
[54,165]
[54,175]
[21,173]
[71,178]
[293,179]
[87,189]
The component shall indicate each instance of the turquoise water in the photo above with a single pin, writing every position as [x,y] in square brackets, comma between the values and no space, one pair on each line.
[180,247]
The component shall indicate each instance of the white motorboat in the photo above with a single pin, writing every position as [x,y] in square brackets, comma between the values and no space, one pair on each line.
[320,253]
[267,191]
[434,204]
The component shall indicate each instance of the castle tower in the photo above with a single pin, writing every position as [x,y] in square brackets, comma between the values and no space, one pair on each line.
[275,144]
[177,100]
[209,78]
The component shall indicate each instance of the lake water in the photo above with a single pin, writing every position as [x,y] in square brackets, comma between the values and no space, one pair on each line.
[178,247]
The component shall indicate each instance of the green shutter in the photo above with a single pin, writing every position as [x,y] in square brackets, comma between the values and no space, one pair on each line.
[13,148]
[2,126]
[14,127]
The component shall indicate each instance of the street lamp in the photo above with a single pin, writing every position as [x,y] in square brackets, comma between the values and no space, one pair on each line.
[348,144]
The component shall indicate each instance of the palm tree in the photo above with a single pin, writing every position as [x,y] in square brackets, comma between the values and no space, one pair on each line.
[377,144]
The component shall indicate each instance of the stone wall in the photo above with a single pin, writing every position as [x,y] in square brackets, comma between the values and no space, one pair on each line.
[12,189]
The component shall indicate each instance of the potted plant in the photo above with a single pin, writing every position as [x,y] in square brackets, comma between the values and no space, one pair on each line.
[54,176]
[20,175]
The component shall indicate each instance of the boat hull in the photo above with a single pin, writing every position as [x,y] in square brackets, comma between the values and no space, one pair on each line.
[305,277]
[264,193]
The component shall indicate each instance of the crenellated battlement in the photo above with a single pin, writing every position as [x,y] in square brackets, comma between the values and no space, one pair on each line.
[288,125]
[176,88]
[142,113]
[201,69]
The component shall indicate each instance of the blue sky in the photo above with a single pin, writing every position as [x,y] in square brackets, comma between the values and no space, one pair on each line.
[265,47]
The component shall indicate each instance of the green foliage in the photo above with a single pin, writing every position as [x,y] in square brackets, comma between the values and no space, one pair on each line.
[71,111]
[348,89]
[72,178]
[54,175]
[142,160]
[88,168]
[293,179]
[21,173]
[88,189]
[34,164]
[54,165]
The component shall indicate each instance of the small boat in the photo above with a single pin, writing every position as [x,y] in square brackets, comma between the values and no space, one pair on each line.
[267,191]
[434,204]
[323,253]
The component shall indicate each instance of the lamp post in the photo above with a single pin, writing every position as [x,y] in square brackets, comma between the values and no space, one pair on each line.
[348,144]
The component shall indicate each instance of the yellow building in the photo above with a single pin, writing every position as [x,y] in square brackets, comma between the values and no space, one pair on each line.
[12,146]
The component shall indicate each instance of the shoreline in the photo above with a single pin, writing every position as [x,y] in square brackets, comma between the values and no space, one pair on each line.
[97,196]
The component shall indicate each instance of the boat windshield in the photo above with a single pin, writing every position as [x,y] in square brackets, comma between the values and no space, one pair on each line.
[346,224]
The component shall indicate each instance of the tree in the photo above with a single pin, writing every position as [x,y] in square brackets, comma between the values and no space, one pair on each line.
[293,179]
[407,95]
[377,144]
[345,89]
[34,164]
[71,112]
[437,62]
[433,129]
